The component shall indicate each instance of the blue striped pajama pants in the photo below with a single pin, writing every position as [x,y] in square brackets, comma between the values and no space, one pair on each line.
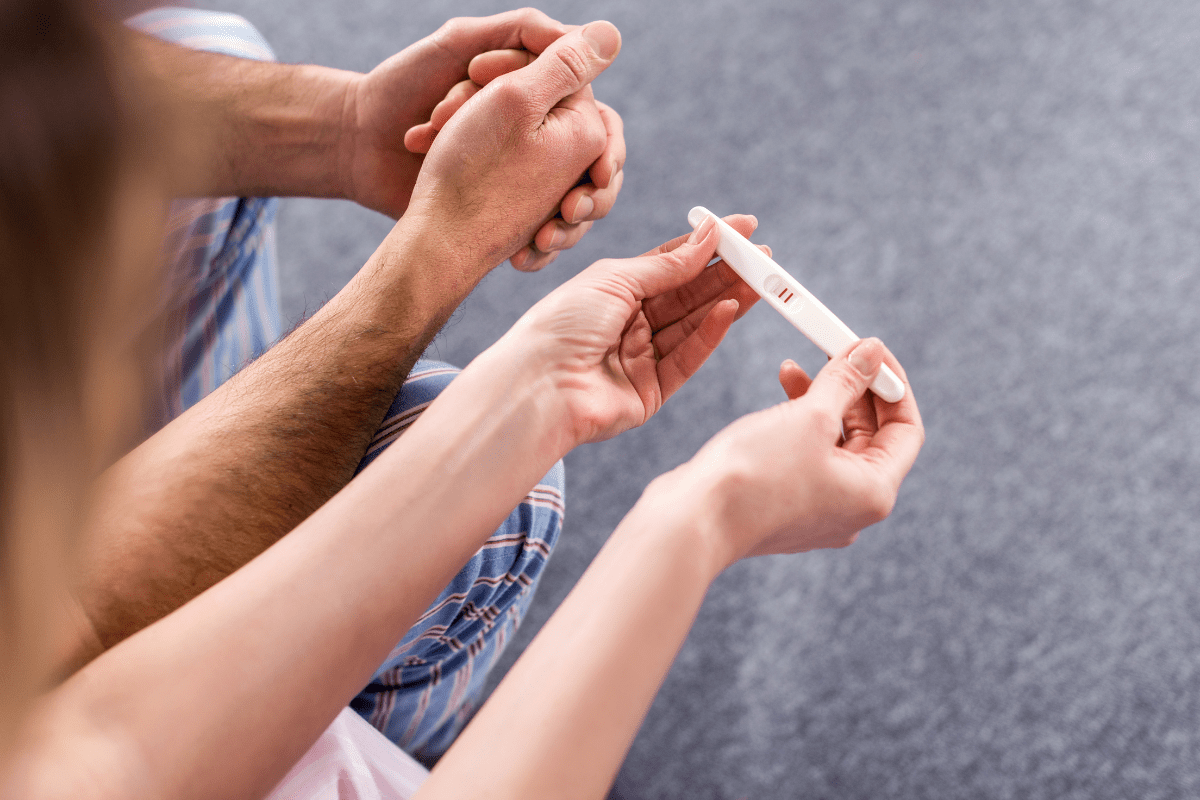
[221,303]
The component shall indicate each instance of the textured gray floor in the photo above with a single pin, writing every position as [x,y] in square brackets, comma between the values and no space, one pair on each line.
[1006,192]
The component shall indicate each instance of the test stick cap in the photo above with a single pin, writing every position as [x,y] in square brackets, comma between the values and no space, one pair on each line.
[697,215]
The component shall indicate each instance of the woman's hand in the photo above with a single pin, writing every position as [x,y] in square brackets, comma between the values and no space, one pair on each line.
[811,472]
[622,336]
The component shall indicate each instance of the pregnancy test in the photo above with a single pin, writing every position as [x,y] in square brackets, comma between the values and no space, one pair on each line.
[797,305]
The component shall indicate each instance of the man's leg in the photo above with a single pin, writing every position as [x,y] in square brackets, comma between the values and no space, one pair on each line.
[221,304]
[223,311]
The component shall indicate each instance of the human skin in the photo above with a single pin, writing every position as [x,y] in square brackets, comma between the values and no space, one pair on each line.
[580,206]
[250,672]
[259,128]
[243,467]
[781,480]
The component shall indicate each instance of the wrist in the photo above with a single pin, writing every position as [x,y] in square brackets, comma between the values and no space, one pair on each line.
[291,135]
[316,134]
[419,271]
[452,267]
[517,356]
[686,506]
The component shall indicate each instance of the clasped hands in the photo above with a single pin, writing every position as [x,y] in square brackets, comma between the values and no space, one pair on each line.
[521,172]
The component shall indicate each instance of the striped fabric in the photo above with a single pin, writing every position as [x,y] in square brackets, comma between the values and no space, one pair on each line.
[431,682]
[222,295]
[214,31]
[222,303]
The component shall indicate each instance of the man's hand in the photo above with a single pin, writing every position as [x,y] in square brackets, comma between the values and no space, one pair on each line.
[378,170]
[499,169]
[590,200]
[622,336]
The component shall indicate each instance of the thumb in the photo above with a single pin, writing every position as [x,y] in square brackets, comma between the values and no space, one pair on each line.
[572,62]
[845,379]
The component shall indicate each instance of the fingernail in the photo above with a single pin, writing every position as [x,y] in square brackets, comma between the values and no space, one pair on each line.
[702,231]
[867,357]
[520,257]
[753,221]
[558,238]
[583,208]
[603,37]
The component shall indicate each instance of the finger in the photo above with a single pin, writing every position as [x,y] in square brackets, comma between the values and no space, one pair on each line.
[676,368]
[576,106]
[906,409]
[649,276]
[558,235]
[901,431]
[567,66]
[793,379]
[526,29]
[670,337]
[590,202]
[895,448]
[452,102]
[859,425]
[486,67]
[419,138]
[745,224]
[530,259]
[666,308]
[844,380]
[612,160]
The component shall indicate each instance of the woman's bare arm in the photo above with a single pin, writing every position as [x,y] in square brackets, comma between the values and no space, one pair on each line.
[219,698]
[778,481]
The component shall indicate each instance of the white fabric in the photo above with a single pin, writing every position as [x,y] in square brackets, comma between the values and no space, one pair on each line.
[351,761]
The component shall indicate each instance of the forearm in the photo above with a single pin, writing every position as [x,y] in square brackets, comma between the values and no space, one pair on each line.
[582,688]
[234,126]
[248,674]
[247,464]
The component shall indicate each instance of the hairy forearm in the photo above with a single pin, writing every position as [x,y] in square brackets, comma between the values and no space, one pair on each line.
[582,688]
[247,464]
[233,126]
[247,675]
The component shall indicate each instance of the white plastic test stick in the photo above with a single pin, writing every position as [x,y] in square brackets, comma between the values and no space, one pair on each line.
[797,305]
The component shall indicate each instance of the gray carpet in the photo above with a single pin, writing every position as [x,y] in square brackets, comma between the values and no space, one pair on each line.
[1005,192]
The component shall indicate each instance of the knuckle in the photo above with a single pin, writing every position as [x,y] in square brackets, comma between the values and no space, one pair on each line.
[673,261]
[452,28]
[847,382]
[597,137]
[879,502]
[531,14]
[574,62]
[509,93]
[824,421]
[845,541]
